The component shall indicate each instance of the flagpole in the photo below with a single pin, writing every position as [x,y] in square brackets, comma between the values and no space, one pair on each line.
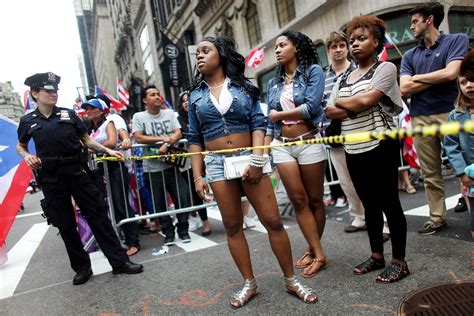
[387,36]
[117,88]
[398,50]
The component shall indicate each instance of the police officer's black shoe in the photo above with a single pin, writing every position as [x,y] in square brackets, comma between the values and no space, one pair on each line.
[128,268]
[82,276]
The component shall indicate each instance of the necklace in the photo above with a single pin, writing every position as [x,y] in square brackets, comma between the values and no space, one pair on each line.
[216,87]
[290,78]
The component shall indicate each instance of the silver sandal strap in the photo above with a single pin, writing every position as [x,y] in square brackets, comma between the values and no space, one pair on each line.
[300,288]
[248,285]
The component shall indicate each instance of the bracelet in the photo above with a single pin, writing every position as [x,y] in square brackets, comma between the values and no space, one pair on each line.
[167,144]
[197,179]
[258,161]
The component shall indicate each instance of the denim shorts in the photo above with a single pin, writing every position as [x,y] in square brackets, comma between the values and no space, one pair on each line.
[215,165]
[303,155]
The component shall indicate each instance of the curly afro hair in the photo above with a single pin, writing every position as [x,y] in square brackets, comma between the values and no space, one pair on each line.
[376,26]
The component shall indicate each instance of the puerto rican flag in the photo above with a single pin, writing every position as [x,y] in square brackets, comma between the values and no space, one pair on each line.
[255,57]
[122,93]
[383,56]
[15,176]
[114,103]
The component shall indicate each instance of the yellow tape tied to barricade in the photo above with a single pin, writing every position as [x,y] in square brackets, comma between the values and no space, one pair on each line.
[443,129]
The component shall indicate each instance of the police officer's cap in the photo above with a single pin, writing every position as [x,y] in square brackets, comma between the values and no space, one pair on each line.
[46,80]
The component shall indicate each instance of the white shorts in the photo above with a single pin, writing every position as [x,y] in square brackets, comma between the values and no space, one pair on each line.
[303,155]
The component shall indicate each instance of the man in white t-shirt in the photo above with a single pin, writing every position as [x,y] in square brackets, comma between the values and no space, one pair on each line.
[161,125]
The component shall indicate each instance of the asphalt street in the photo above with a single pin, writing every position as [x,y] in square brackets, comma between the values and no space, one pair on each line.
[198,278]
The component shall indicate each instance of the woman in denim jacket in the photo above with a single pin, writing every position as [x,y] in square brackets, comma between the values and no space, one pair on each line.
[224,113]
[460,147]
[294,104]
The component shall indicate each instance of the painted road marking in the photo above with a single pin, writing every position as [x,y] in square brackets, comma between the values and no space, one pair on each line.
[197,243]
[424,210]
[18,259]
[99,263]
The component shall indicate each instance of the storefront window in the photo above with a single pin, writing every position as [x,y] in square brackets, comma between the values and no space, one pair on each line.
[322,54]
[263,81]
[398,30]
[462,22]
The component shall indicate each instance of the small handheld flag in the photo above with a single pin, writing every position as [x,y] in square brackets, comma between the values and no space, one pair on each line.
[255,57]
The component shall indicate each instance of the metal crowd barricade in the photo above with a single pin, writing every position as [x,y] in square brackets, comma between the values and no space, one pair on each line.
[139,208]
[334,180]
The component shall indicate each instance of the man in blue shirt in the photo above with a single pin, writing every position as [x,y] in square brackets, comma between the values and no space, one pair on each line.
[428,73]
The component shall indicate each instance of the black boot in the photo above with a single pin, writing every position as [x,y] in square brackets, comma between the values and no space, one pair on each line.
[461,206]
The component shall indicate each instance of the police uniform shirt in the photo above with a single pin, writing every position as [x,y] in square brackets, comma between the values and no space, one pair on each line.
[57,135]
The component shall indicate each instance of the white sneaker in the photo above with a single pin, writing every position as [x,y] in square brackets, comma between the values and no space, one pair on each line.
[385,228]
[358,221]
[341,201]
[249,222]
[194,223]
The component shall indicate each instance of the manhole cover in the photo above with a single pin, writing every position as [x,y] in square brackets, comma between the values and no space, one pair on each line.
[443,299]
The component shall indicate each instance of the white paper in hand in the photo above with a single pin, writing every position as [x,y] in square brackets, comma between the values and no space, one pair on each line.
[234,167]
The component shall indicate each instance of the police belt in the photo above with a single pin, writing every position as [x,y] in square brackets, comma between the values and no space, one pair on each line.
[60,160]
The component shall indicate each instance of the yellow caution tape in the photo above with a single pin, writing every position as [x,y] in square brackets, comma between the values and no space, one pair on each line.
[443,129]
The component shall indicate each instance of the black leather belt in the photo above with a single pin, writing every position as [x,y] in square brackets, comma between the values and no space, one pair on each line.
[61,159]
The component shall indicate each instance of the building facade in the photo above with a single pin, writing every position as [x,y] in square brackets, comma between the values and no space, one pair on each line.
[84,17]
[10,103]
[144,28]
[102,46]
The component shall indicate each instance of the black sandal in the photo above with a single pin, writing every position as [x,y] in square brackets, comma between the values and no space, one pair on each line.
[394,273]
[369,265]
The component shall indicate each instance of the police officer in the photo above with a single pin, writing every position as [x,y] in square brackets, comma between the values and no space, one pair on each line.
[58,133]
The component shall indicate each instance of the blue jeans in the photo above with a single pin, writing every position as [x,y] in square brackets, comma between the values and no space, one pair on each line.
[215,165]
[160,184]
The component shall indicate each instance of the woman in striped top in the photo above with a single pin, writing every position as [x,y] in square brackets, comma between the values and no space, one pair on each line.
[366,99]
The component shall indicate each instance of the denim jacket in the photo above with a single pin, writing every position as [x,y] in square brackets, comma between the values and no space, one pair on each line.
[307,95]
[206,123]
[460,147]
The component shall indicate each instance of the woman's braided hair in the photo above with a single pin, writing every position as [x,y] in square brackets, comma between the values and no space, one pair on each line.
[306,53]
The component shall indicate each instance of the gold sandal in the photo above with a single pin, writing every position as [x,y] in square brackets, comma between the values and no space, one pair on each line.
[304,293]
[299,265]
[325,264]
[242,297]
